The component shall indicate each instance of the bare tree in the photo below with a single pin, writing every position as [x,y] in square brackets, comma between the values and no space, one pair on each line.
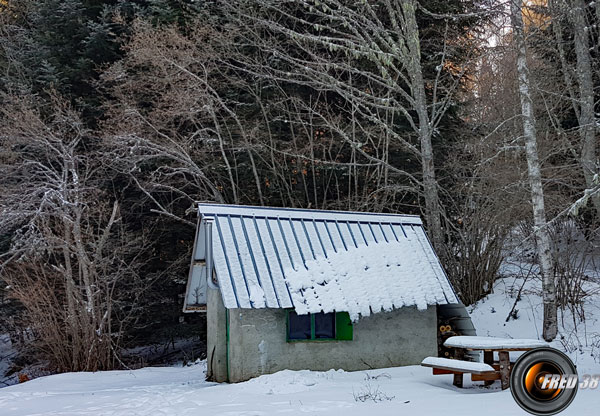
[188,141]
[587,116]
[330,37]
[196,140]
[573,14]
[71,262]
[535,179]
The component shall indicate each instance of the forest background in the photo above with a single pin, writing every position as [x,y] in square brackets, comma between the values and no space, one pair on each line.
[115,116]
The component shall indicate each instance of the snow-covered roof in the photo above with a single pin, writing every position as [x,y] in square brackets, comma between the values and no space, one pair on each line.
[316,261]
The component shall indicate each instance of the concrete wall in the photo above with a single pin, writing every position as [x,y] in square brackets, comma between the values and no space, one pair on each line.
[216,336]
[257,342]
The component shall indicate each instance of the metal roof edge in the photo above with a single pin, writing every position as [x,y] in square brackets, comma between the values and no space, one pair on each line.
[303,213]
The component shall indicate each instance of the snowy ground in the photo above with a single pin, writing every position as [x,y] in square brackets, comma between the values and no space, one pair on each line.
[183,391]
[6,355]
[580,340]
[408,390]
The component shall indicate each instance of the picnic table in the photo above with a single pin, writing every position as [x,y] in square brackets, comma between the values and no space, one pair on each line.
[489,370]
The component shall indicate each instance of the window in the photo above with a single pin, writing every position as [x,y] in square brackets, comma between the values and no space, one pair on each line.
[319,326]
[324,325]
[299,326]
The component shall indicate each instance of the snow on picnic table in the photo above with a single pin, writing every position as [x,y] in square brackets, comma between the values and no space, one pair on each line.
[183,391]
[493,343]
[465,365]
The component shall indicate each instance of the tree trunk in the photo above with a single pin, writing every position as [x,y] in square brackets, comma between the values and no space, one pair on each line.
[430,190]
[542,236]
[557,8]
[587,118]
[597,44]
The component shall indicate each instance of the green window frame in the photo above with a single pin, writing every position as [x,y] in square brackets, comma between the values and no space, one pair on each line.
[343,328]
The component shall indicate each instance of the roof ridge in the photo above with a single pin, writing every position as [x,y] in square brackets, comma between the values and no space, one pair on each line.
[306,213]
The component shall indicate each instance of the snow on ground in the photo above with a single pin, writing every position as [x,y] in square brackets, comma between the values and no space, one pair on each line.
[580,340]
[183,391]
[6,354]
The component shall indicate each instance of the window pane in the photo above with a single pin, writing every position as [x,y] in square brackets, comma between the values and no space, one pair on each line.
[324,325]
[298,326]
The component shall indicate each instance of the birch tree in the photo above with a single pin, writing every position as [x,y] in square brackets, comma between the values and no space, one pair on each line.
[540,225]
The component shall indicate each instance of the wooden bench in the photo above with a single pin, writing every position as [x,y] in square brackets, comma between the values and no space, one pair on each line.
[478,371]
